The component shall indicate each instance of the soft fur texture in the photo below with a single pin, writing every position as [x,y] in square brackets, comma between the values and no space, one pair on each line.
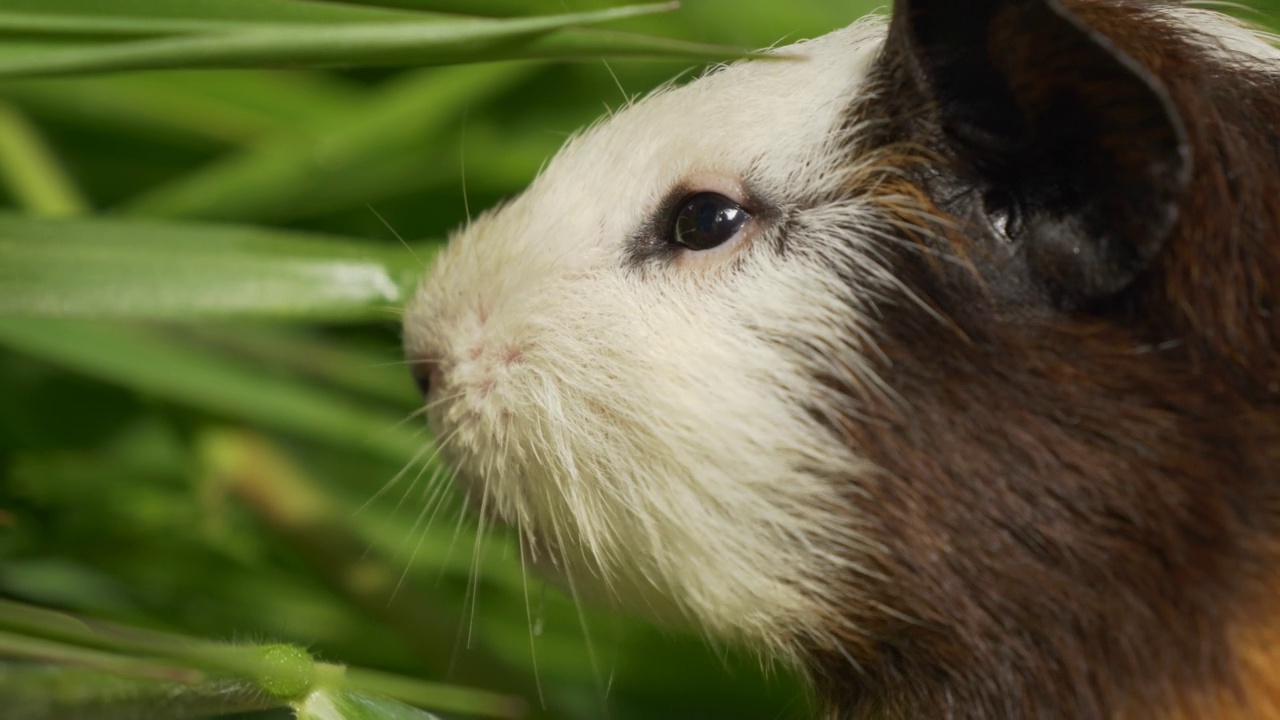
[976,418]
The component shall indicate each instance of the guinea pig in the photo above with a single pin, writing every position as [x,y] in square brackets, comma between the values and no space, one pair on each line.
[937,357]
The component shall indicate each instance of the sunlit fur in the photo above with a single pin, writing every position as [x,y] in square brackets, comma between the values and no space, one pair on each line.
[1234,40]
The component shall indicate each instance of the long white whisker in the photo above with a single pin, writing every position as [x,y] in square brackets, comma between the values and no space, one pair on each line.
[592,658]
[439,446]
[462,162]
[393,232]
[395,479]
[462,626]
[421,532]
[528,613]
[477,554]
[453,540]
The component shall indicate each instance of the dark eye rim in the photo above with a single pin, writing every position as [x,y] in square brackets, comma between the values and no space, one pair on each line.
[676,215]
[1004,212]
[649,243]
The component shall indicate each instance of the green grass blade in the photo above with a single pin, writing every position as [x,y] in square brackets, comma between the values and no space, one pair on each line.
[148,363]
[147,270]
[32,172]
[295,168]
[232,106]
[494,8]
[339,544]
[193,12]
[57,692]
[368,684]
[589,43]
[340,705]
[88,26]
[267,675]
[93,24]
[379,376]
[300,45]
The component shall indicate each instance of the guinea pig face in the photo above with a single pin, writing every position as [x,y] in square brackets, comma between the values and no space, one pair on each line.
[617,357]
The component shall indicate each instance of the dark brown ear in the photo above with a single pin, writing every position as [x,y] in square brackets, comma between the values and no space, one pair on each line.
[1050,113]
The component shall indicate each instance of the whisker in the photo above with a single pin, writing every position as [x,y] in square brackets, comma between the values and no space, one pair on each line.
[444,399]
[528,613]
[453,540]
[413,556]
[437,472]
[417,456]
[395,311]
[592,658]
[397,235]
[462,161]
[440,480]
[462,626]
[477,555]
[436,499]
[390,363]
[626,99]
[413,415]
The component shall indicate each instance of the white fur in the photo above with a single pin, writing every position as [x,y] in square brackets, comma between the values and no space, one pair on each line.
[647,427]
[649,423]
[1234,40]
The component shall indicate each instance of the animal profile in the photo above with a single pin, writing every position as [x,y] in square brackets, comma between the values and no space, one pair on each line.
[939,358]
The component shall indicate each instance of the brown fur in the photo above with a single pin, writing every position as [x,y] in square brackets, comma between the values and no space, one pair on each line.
[1080,506]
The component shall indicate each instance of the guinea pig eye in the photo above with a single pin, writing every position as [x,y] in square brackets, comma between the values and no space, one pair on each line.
[1003,213]
[705,220]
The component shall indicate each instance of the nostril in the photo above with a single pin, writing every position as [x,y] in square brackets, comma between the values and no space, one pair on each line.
[426,375]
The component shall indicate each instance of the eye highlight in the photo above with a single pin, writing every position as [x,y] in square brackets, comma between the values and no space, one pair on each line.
[706,220]
[1003,212]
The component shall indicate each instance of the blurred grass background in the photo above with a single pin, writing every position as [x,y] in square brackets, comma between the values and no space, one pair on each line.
[203,408]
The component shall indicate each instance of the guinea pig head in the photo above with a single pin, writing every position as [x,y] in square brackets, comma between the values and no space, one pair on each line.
[621,348]
[935,356]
